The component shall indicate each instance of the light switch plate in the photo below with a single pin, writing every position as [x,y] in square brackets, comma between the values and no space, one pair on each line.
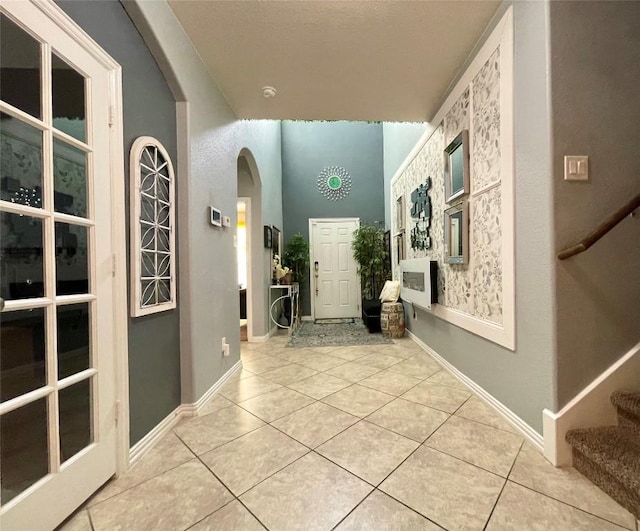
[576,168]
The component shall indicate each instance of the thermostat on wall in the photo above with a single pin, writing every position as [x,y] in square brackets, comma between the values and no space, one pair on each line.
[216,217]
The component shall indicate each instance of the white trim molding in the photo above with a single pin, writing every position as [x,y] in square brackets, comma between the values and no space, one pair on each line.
[146,444]
[503,334]
[590,408]
[527,431]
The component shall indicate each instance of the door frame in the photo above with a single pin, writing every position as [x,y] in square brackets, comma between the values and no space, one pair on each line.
[120,410]
[311,276]
[248,242]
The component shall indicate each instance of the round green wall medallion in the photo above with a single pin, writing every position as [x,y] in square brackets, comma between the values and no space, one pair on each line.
[334,183]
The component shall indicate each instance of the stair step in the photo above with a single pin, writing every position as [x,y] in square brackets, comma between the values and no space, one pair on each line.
[627,401]
[610,457]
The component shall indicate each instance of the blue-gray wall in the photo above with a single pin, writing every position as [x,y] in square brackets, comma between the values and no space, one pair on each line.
[149,109]
[523,380]
[399,138]
[307,148]
[595,75]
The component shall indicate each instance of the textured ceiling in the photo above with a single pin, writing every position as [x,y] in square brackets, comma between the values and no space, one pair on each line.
[334,60]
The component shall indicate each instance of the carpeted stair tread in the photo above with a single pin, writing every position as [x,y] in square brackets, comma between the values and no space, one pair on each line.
[613,449]
[627,401]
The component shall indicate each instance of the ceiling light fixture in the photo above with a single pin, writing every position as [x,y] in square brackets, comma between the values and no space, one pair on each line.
[268,92]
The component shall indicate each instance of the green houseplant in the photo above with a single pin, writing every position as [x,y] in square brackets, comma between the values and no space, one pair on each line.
[296,256]
[370,253]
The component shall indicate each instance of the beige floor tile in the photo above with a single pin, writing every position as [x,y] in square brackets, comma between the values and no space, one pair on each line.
[241,390]
[483,446]
[251,356]
[417,366]
[444,378]
[451,493]
[294,355]
[321,362]
[400,351]
[353,371]
[167,454]
[358,400]
[390,382]
[319,385]
[379,512]
[368,451]
[476,409]
[566,485]
[352,353]
[246,461]
[275,404]
[288,374]
[310,494]
[437,396]
[173,500]
[519,508]
[409,419]
[78,522]
[216,403]
[314,424]
[379,360]
[264,364]
[324,350]
[241,375]
[202,434]
[232,516]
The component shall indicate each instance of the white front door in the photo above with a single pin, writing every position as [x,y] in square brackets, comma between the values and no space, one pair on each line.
[335,281]
[57,371]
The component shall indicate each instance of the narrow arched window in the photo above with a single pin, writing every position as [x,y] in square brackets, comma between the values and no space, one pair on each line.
[153,281]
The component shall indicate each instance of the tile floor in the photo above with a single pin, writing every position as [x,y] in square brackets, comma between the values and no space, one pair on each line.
[378,438]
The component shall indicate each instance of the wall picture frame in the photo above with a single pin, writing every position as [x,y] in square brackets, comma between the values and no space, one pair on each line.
[456,234]
[268,237]
[456,168]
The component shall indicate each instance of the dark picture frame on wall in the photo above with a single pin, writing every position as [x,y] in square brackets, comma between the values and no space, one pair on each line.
[268,237]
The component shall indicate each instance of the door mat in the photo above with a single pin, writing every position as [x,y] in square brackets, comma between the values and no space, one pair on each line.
[321,334]
[335,321]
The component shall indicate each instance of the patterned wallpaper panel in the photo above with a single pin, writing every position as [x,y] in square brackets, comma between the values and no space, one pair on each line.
[474,288]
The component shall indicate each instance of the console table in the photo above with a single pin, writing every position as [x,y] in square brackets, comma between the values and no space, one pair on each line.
[279,292]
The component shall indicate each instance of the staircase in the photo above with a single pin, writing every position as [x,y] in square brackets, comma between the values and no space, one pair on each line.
[610,456]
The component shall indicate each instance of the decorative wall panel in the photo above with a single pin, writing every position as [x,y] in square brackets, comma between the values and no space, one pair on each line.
[485,154]
[475,289]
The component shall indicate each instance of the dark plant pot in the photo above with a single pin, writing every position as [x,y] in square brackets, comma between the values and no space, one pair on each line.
[371,314]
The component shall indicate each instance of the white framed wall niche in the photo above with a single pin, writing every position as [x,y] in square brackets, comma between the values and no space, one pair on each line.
[152,226]
[478,296]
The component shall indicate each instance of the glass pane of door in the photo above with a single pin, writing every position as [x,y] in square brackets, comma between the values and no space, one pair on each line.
[20,64]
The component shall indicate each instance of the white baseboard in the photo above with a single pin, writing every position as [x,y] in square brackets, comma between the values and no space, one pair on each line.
[145,444]
[591,407]
[527,431]
[306,318]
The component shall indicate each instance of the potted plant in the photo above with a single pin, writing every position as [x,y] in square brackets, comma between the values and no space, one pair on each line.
[370,253]
[296,256]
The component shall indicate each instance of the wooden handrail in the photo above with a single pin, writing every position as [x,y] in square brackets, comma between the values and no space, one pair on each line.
[602,229]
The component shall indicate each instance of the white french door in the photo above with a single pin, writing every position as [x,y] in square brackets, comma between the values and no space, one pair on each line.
[57,372]
[335,286]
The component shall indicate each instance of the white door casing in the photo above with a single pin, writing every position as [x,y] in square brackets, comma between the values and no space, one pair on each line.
[71,479]
[335,285]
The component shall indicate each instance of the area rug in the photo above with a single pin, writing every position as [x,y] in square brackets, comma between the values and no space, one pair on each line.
[323,334]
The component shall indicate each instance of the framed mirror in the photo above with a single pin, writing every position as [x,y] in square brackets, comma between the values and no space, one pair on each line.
[456,234]
[456,167]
